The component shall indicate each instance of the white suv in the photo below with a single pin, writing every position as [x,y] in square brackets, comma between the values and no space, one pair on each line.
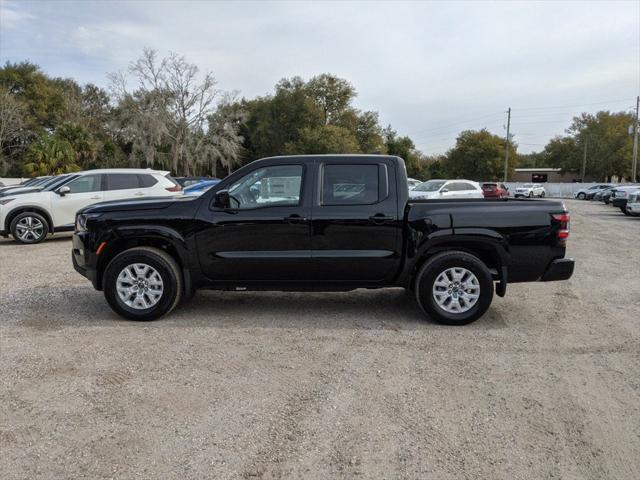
[530,190]
[29,217]
[433,189]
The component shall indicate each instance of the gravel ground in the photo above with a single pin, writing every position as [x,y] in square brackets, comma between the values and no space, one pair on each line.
[316,386]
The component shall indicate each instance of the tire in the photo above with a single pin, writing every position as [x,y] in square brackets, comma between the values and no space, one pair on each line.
[29,228]
[542,194]
[581,196]
[161,265]
[531,194]
[624,210]
[432,271]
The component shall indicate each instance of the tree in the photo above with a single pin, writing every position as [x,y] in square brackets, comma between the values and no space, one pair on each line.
[533,160]
[223,138]
[332,94]
[609,146]
[479,155]
[404,147]
[369,133]
[564,153]
[83,143]
[43,97]
[168,113]
[50,155]
[12,128]
[323,140]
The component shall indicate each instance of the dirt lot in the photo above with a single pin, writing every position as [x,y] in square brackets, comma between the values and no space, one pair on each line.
[272,385]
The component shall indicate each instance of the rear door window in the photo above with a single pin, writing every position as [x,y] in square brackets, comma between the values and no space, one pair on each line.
[122,181]
[350,184]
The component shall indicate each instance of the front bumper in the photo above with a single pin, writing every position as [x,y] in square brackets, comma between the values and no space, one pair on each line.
[84,258]
[559,269]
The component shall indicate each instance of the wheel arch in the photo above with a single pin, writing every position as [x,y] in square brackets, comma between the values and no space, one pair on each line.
[25,209]
[488,250]
[172,245]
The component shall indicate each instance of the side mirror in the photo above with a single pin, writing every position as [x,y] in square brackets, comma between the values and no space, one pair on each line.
[62,191]
[444,190]
[222,199]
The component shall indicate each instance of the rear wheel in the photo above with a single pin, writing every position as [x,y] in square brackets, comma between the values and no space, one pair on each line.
[454,288]
[29,228]
[542,194]
[625,211]
[143,283]
[531,194]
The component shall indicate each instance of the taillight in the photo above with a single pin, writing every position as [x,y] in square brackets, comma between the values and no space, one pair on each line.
[175,188]
[563,220]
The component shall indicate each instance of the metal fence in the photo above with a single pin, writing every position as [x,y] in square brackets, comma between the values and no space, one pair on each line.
[11,181]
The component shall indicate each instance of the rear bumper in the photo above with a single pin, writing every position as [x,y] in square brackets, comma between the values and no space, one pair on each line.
[559,269]
[619,202]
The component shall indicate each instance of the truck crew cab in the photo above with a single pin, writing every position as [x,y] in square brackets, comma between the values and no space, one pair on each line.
[323,223]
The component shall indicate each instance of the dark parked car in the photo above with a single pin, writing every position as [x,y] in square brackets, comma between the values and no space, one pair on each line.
[589,193]
[495,190]
[599,195]
[319,223]
[620,196]
[44,183]
[606,195]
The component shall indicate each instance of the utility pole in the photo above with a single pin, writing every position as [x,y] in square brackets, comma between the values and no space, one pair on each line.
[584,158]
[506,148]
[634,165]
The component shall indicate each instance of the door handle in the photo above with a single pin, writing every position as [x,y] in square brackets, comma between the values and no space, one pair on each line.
[94,198]
[139,194]
[380,218]
[295,218]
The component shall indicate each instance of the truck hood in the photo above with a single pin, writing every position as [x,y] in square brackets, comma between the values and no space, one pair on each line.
[149,203]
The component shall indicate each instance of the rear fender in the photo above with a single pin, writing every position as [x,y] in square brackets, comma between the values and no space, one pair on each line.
[485,244]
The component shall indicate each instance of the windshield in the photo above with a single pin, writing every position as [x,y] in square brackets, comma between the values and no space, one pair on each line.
[430,186]
[528,185]
[55,182]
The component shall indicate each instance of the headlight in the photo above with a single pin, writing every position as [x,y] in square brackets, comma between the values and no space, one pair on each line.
[4,201]
[81,220]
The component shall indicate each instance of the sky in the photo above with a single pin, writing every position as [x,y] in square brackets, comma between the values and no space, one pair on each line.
[431,69]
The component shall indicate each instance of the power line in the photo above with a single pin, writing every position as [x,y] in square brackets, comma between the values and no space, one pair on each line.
[578,105]
[419,132]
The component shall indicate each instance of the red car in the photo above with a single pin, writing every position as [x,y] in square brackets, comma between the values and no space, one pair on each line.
[495,190]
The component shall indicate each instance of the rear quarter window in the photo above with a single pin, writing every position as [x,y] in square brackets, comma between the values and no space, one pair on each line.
[147,181]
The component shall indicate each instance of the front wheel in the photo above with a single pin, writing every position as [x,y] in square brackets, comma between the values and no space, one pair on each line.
[581,196]
[454,288]
[625,211]
[142,283]
[29,228]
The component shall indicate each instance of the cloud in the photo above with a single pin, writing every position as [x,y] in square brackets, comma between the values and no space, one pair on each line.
[422,65]
[11,16]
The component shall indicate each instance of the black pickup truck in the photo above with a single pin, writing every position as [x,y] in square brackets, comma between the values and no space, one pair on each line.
[323,223]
